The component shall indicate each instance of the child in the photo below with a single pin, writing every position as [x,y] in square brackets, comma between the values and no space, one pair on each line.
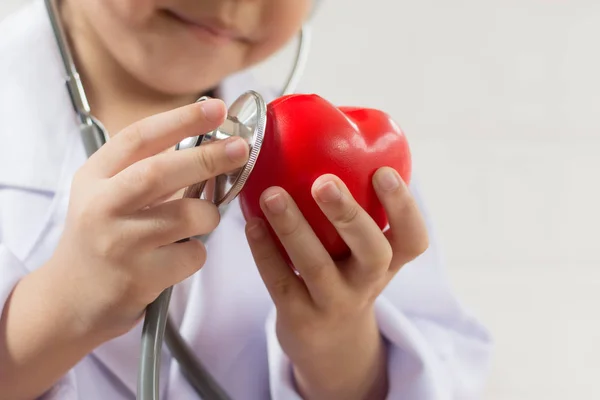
[86,245]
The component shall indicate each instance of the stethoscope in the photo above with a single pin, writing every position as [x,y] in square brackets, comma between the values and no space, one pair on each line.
[247,118]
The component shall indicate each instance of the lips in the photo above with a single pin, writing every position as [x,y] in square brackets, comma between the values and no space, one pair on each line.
[206,28]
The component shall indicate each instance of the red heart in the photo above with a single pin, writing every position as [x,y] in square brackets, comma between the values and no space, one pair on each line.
[306,137]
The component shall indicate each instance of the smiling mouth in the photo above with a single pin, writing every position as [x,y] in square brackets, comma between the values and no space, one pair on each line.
[206,30]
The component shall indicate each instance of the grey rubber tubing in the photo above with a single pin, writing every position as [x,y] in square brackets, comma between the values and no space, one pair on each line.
[193,370]
[152,340]
[157,328]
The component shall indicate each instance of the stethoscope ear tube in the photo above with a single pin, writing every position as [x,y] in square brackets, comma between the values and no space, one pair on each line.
[153,331]
[159,328]
[246,119]
[193,370]
[300,61]
[157,325]
[93,136]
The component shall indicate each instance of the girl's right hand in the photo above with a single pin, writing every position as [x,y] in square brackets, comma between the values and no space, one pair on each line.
[119,249]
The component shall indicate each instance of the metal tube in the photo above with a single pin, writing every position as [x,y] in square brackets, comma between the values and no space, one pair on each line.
[156,322]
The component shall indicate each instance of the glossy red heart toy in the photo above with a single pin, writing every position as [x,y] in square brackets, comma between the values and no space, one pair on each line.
[306,137]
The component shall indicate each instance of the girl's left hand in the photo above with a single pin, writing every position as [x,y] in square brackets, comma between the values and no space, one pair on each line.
[325,321]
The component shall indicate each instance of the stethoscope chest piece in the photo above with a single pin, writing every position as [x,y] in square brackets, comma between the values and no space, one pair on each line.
[246,118]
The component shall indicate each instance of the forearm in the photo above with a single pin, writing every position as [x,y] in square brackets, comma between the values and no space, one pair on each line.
[355,368]
[40,337]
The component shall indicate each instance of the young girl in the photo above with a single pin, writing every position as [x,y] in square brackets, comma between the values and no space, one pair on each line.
[87,244]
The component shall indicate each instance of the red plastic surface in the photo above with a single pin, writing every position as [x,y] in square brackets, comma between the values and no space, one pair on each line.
[307,137]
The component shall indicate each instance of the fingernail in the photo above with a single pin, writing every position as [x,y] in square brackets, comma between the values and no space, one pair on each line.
[329,192]
[256,230]
[276,203]
[388,180]
[236,149]
[214,110]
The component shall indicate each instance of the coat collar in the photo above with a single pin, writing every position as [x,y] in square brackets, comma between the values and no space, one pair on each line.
[40,135]
[36,118]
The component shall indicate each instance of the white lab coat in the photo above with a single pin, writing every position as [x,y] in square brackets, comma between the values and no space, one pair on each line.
[437,350]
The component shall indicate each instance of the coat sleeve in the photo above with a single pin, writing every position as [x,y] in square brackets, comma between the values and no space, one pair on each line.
[436,349]
[11,271]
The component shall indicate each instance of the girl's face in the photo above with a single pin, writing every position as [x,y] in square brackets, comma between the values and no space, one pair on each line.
[188,46]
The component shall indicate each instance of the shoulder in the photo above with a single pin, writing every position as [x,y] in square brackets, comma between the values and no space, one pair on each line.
[35,113]
[38,129]
[23,35]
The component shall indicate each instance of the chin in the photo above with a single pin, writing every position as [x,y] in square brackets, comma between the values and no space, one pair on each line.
[179,82]
[176,86]
[186,76]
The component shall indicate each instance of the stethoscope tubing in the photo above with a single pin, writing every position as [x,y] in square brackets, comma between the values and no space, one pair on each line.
[158,327]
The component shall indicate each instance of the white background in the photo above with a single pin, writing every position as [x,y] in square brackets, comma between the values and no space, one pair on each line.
[501,102]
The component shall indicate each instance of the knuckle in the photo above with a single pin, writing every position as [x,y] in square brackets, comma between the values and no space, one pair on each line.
[282,286]
[417,245]
[203,215]
[80,177]
[206,160]
[128,285]
[107,241]
[106,245]
[347,215]
[132,178]
[320,274]
[83,214]
[133,137]
[149,175]
[160,225]
[420,246]
[185,116]
[289,230]
[86,218]
[343,309]
[210,217]
[266,257]
[414,250]
[144,177]
[195,255]
[139,288]
[291,227]
[383,258]
[374,293]
[308,323]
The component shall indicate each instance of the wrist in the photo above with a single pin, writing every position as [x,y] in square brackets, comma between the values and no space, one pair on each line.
[353,366]
[41,337]
[63,306]
[91,312]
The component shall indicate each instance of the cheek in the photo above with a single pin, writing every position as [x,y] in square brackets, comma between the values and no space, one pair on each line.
[155,51]
[129,12]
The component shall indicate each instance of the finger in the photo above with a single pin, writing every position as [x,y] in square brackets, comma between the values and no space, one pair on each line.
[155,134]
[305,250]
[282,283]
[148,180]
[371,250]
[408,232]
[170,265]
[175,220]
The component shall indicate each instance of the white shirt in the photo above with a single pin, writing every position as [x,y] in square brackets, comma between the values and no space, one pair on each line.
[437,350]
